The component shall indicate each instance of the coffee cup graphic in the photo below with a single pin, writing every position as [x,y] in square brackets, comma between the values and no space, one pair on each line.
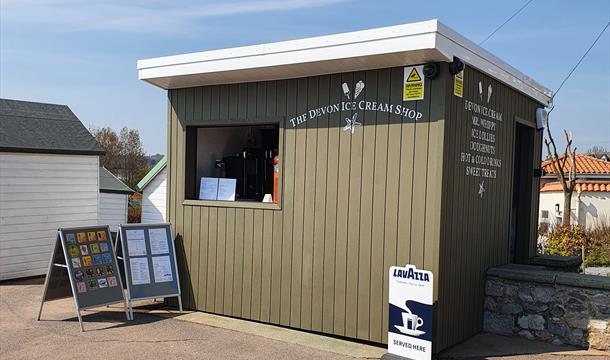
[411,321]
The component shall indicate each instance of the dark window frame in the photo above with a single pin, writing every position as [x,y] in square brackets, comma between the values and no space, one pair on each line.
[191,181]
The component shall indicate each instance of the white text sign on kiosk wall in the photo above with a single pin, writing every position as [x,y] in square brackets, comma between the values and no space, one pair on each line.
[410,312]
[149,257]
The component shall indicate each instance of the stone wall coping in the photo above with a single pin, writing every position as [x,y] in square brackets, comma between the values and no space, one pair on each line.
[556,261]
[543,275]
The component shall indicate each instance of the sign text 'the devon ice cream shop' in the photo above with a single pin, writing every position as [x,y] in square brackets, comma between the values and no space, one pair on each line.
[357,105]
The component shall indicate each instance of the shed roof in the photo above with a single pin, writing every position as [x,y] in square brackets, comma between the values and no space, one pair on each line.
[400,45]
[160,165]
[111,184]
[27,126]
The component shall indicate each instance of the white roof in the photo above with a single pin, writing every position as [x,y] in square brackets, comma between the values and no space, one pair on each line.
[359,50]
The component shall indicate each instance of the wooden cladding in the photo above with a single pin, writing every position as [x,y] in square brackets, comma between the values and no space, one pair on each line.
[352,205]
[476,226]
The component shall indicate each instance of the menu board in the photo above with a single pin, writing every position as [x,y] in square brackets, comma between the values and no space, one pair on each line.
[83,265]
[149,257]
[93,266]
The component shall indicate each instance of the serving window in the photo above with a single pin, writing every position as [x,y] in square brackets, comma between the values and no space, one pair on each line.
[232,163]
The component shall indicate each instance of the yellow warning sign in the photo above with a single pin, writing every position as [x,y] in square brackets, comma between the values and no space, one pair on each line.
[458,84]
[413,76]
[413,85]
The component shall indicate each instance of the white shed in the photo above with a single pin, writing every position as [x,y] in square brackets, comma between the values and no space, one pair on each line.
[114,198]
[154,195]
[49,165]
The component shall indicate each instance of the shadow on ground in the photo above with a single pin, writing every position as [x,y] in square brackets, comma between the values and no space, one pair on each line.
[491,346]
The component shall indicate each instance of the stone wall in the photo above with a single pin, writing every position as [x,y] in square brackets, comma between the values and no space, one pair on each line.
[544,305]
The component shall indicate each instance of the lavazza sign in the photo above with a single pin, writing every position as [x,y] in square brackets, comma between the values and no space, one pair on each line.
[352,104]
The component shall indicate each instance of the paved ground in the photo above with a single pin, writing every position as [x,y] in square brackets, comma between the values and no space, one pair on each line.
[158,335]
[108,336]
[496,347]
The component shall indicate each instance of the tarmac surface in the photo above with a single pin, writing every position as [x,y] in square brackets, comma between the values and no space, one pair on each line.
[160,334]
[108,336]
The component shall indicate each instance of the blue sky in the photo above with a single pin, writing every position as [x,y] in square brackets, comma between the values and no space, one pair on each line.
[84,53]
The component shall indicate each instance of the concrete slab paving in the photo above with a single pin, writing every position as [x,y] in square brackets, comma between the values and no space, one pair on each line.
[158,332]
[316,341]
[109,336]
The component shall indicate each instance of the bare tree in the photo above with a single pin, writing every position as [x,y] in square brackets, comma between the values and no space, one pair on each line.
[110,142]
[597,151]
[125,156]
[133,157]
[565,175]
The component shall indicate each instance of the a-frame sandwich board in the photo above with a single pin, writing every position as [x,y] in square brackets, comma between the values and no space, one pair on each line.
[83,266]
[148,256]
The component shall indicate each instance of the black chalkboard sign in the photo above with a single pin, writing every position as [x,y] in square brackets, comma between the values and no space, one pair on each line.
[83,266]
[149,261]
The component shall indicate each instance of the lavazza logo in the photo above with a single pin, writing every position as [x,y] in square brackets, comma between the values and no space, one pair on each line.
[351,103]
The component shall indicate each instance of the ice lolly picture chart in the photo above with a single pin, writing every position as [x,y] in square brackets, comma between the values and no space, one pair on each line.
[83,266]
[149,258]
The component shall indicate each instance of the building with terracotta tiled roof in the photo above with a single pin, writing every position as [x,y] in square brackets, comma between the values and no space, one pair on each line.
[591,197]
[586,166]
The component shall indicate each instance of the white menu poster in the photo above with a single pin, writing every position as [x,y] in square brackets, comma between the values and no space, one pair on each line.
[226,189]
[208,188]
[139,271]
[158,241]
[135,242]
[162,268]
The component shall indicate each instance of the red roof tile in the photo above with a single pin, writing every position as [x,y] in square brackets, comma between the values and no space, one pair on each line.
[588,185]
[584,165]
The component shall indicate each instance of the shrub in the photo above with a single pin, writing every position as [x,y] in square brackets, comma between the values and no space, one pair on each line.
[566,241]
[569,240]
[134,209]
[598,252]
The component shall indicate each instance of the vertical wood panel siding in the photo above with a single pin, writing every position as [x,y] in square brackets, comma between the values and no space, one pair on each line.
[351,207]
[474,229]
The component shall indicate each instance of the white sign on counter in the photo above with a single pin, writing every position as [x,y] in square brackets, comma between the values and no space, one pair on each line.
[208,188]
[226,189]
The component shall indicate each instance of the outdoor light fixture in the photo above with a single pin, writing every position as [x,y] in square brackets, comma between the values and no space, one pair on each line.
[557,208]
[456,66]
[542,118]
[431,70]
